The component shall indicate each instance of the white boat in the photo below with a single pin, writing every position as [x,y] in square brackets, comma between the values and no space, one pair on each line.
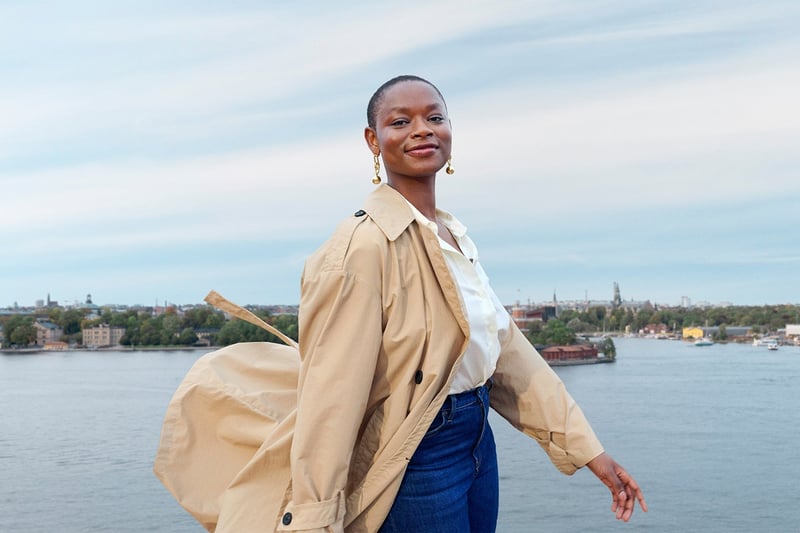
[772,346]
[766,341]
[703,342]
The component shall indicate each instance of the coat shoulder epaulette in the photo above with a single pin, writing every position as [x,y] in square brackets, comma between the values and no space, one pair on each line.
[340,241]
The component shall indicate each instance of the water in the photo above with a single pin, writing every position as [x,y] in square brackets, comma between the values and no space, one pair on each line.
[710,433]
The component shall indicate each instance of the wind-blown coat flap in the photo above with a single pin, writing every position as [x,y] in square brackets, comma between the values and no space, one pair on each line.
[227,409]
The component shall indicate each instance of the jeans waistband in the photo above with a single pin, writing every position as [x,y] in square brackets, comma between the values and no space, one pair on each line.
[462,400]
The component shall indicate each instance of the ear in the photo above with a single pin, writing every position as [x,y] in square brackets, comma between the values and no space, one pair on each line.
[372,140]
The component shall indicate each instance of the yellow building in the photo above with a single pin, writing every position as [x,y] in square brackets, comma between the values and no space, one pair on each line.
[693,333]
[102,335]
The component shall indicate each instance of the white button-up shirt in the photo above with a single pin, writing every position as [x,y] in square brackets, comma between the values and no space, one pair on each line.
[486,315]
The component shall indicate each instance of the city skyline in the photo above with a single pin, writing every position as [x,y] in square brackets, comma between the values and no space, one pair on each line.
[156,152]
[683,302]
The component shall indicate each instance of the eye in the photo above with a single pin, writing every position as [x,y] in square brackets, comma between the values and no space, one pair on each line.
[399,122]
[437,118]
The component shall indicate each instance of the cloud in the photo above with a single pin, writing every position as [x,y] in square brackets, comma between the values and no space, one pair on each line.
[136,132]
[655,142]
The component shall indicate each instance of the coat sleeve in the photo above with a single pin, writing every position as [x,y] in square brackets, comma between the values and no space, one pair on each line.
[340,338]
[529,394]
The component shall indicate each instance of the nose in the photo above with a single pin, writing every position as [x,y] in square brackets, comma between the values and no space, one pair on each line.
[421,128]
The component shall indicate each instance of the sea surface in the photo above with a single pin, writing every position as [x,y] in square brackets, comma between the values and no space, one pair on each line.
[711,434]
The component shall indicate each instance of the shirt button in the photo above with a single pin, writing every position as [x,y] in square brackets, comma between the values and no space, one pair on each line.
[287,519]
[418,377]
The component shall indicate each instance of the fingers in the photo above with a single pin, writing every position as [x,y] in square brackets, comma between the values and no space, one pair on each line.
[625,494]
[634,492]
[622,505]
[624,489]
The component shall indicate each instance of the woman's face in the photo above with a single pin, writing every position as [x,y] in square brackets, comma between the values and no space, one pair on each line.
[412,131]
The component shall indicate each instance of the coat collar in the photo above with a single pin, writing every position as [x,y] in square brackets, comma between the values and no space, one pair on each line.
[392,213]
[389,210]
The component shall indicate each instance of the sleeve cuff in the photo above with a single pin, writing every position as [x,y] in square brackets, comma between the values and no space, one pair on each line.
[569,462]
[315,515]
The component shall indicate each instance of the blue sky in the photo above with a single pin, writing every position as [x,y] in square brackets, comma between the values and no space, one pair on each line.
[152,151]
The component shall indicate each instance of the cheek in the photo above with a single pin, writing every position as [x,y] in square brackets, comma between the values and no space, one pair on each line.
[446,136]
[388,143]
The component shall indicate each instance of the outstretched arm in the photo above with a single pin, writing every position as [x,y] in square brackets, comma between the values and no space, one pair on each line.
[624,489]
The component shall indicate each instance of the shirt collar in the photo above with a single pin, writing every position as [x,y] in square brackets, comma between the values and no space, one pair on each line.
[458,230]
[452,223]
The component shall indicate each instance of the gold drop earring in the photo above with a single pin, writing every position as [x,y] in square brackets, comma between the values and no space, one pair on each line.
[450,170]
[377,179]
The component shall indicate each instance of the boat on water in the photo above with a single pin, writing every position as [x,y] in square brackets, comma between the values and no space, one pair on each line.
[770,342]
[703,342]
[765,341]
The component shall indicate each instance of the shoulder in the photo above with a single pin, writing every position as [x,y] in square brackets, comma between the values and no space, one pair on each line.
[355,240]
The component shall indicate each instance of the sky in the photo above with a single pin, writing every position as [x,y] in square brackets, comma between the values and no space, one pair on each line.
[153,151]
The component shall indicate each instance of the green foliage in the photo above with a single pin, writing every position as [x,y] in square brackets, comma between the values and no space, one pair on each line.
[239,331]
[554,332]
[608,348]
[187,337]
[142,329]
[71,320]
[762,319]
[579,326]
[19,331]
[12,336]
[203,318]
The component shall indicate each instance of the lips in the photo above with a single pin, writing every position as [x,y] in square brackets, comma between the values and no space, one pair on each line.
[422,149]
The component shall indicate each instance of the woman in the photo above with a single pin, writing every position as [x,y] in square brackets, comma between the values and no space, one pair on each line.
[403,347]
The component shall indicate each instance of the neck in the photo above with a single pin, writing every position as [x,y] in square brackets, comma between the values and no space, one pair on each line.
[421,194]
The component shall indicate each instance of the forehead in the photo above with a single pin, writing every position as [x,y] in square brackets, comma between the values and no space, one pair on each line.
[410,95]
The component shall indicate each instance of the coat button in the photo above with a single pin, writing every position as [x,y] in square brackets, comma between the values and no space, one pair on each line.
[287,519]
[360,213]
[418,377]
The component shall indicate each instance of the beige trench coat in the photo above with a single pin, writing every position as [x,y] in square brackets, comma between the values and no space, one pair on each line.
[381,330]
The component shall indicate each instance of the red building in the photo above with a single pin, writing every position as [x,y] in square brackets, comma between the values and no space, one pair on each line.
[569,353]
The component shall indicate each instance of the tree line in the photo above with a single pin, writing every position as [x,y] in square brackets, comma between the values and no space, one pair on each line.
[143,329]
[762,319]
[571,323]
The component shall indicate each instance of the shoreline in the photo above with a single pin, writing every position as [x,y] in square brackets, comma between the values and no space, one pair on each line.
[576,362]
[24,351]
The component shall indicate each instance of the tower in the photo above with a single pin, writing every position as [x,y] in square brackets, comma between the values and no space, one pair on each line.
[617,299]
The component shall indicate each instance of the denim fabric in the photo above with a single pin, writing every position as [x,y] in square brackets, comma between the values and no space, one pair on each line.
[451,482]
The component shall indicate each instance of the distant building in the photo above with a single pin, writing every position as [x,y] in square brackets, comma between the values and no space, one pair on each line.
[206,336]
[693,333]
[93,310]
[730,331]
[46,332]
[655,329]
[524,315]
[569,353]
[793,330]
[56,346]
[102,335]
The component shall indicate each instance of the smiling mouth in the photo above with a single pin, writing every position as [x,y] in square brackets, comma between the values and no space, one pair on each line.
[422,148]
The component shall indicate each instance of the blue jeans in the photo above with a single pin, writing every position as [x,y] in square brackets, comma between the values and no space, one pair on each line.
[451,482]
